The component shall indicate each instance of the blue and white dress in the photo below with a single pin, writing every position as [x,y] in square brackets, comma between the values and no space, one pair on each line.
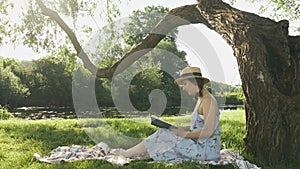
[164,145]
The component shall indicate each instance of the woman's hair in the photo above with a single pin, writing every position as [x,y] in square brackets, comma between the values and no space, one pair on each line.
[200,83]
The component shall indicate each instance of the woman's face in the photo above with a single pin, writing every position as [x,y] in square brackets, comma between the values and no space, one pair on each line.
[190,87]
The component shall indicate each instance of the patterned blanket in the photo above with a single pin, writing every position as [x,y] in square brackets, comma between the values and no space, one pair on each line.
[102,151]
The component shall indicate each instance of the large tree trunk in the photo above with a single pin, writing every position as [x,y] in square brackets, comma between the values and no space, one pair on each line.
[268,60]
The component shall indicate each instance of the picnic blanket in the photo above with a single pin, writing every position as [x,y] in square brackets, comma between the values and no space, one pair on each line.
[102,151]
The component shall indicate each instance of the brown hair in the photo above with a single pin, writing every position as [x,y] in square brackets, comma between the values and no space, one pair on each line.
[200,83]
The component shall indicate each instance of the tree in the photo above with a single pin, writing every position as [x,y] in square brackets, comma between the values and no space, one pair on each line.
[141,22]
[11,88]
[50,83]
[280,8]
[4,22]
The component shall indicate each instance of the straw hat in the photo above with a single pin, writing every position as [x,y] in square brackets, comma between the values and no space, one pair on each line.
[191,72]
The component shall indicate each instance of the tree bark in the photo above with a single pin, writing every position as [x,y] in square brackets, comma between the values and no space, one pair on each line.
[268,60]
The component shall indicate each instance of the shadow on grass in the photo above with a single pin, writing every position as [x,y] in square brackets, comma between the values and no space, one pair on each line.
[49,135]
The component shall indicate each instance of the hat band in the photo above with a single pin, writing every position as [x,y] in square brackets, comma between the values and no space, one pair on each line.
[192,74]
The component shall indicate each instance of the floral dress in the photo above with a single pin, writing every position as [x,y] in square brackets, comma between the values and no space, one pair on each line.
[164,145]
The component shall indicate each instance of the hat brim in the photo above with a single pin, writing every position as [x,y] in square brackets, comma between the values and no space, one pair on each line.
[179,80]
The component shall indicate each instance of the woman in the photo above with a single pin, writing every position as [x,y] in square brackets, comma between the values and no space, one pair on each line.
[199,141]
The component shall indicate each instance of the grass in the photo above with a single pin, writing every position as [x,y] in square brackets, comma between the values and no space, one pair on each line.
[20,139]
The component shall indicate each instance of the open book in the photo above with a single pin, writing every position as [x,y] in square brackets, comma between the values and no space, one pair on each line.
[160,123]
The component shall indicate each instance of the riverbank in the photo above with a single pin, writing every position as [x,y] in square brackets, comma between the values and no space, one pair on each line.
[43,113]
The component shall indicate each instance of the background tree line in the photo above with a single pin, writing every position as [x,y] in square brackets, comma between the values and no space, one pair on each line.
[46,82]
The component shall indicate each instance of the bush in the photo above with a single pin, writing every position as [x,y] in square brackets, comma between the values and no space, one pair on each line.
[4,113]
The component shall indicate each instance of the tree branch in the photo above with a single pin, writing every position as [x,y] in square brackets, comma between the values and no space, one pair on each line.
[179,16]
[234,25]
[80,53]
[176,17]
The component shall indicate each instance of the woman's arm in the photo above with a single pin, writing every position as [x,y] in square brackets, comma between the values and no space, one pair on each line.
[209,108]
[186,128]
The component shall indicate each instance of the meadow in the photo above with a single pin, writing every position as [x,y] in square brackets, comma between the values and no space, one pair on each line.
[20,139]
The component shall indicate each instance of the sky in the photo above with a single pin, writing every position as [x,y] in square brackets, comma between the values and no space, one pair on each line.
[198,41]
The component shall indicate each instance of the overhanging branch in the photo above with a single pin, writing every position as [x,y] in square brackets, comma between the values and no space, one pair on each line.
[178,16]
[80,53]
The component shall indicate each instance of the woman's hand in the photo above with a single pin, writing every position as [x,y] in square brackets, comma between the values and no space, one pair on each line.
[179,131]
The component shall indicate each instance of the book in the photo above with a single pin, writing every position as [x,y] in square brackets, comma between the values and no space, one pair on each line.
[160,123]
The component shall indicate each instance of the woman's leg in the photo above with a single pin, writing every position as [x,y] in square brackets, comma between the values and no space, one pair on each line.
[135,151]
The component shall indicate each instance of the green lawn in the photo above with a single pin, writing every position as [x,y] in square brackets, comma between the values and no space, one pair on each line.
[20,139]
